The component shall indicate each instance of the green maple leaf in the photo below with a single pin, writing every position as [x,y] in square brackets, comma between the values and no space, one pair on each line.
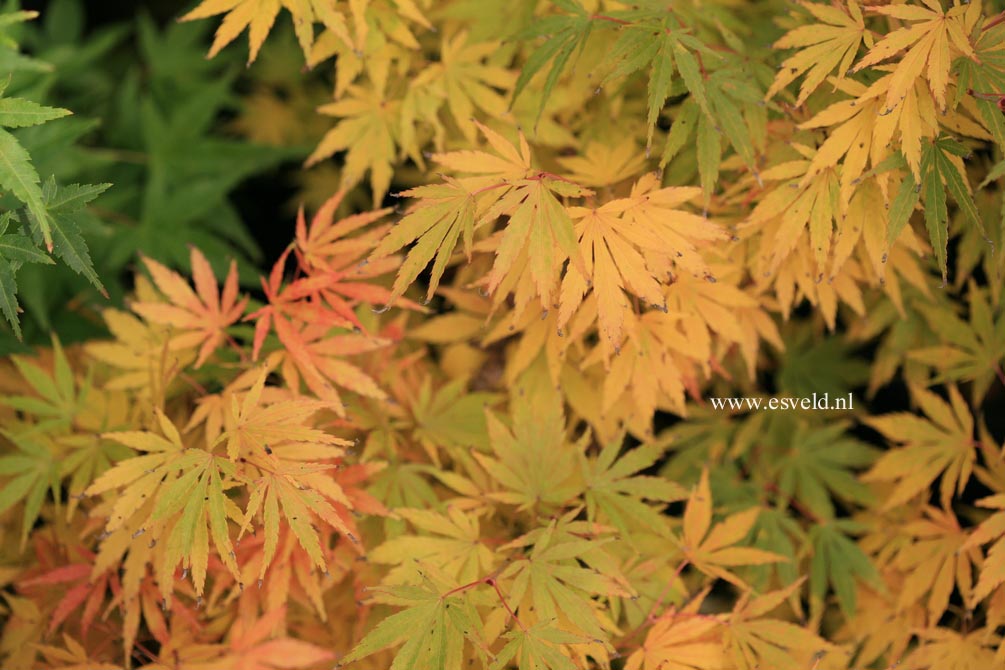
[664,47]
[451,542]
[818,465]
[532,461]
[57,398]
[564,33]
[537,648]
[17,248]
[431,629]
[984,74]
[566,566]
[452,416]
[942,171]
[837,563]
[17,174]
[33,471]
[778,532]
[615,492]
[972,351]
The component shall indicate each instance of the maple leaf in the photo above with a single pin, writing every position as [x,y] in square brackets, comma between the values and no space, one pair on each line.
[723,104]
[940,446]
[450,416]
[433,627]
[450,542]
[564,33]
[930,40]
[258,17]
[18,175]
[859,134]
[59,400]
[538,647]
[250,648]
[289,458]
[82,590]
[33,472]
[650,368]
[139,355]
[256,424]
[72,656]
[837,561]
[187,509]
[315,354]
[942,170]
[202,316]
[465,82]
[445,213]
[991,529]
[538,229]
[628,245]
[287,304]
[615,492]
[807,203]
[983,74]
[831,43]
[754,641]
[681,641]
[366,131]
[955,650]
[664,45]
[326,245]
[311,351]
[527,458]
[551,583]
[604,164]
[818,464]
[971,351]
[712,551]
[939,558]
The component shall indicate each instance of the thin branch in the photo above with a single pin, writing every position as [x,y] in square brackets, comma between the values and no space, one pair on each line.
[495,585]
[612,19]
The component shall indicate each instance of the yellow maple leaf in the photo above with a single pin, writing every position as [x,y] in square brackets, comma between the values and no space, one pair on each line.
[710,549]
[465,82]
[681,641]
[940,446]
[604,164]
[366,132]
[831,43]
[935,561]
[258,17]
[754,641]
[629,244]
[931,40]
[991,530]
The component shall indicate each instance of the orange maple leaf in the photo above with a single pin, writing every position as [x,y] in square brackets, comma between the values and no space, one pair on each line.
[202,316]
[333,259]
[250,648]
[78,589]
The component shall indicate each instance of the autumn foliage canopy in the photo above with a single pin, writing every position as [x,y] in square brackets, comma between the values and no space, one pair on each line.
[464,418]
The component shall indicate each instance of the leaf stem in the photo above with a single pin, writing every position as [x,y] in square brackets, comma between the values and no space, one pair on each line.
[495,585]
[490,187]
[490,580]
[612,19]
[998,20]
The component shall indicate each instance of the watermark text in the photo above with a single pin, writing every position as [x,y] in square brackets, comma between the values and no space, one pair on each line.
[818,401]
